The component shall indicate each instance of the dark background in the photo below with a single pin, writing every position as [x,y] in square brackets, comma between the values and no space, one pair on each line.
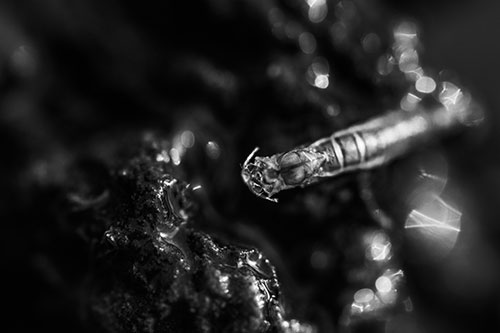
[97,71]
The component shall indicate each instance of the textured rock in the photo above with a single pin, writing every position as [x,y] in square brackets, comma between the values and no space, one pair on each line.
[154,271]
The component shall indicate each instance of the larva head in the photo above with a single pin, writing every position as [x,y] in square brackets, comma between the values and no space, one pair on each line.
[261,176]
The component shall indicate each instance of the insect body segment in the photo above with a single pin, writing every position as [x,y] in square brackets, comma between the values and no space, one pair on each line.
[359,147]
[266,176]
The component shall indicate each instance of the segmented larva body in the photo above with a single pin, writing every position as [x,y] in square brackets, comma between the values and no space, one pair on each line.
[363,146]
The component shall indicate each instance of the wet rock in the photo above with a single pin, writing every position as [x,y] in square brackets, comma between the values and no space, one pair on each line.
[153,270]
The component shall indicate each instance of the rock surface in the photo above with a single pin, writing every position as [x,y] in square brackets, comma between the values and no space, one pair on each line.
[153,270]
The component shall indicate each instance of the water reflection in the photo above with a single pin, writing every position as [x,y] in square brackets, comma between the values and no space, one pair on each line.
[385,294]
[409,102]
[318,73]
[319,259]
[307,42]
[405,35]
[383,284]
[371,43]
[180,144]
[433,172]
[435,222]
[187,139]
[318,10]
[212,149]
[405,50]
[408,61]
[452,97]
[387,285]
[24,61]
[379,247]
[385,64]
[364,300]
[425,85]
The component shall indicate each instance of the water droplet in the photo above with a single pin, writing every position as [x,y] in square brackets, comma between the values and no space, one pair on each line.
[435,224]
[425,85]
[163,157]
[318,10]
[257,263]
[23,61]
[321,81]
[408,61]
[275,17]
[338,33]
[408,305]
[212,149]
[307,43]
[383,284]
[318,73]
[115,237]
[109,234]
[292,30]
[365,295]
[175,156]
[345,10]
[451,96]
[406,34]
[332,110]
[409,102]
[274,70]
[187,139]
[319,259]
[385,64]
[371,43]
[379,247]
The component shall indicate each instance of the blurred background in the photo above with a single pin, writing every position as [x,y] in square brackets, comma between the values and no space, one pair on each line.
[411,247]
